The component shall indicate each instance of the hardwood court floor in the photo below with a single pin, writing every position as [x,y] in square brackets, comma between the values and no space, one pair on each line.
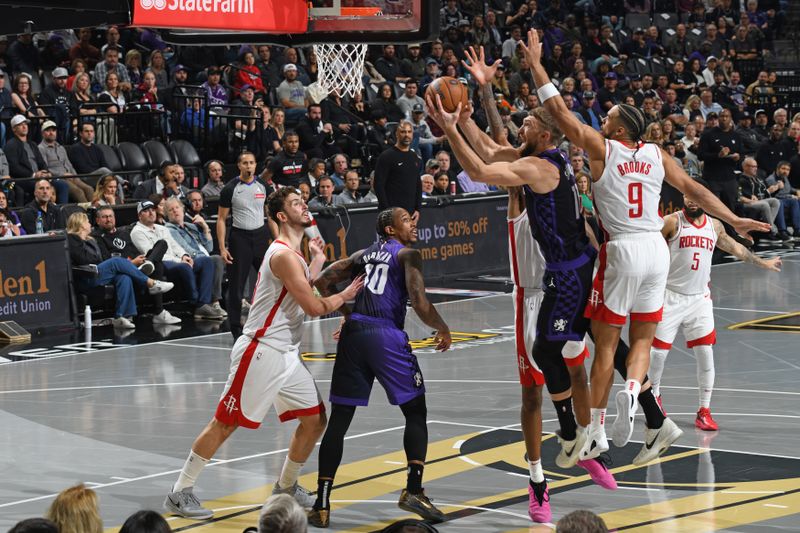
[121,418]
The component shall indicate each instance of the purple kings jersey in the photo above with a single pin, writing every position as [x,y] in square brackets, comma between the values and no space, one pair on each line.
[385,294]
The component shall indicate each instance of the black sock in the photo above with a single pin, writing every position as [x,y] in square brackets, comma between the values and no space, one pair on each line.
[324,487]
[566,418]
[652,412]
[414,482]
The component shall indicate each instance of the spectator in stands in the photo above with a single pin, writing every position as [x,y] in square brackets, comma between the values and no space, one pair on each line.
[762,127]
[23,56]
[158,65]
[84,50]
[427,185]
[325,196]
[288,168]
[445,163]
[510,45]
[413,65]
[25,160]
[757,203]
[582,521]
[195,205]
[106,192]
[692,107]
[410,98]
[147,92]
[441,184]
[397,173]
[111,64]
[217,94]
[12,215]
[8,228]
[292,94]
[707,104]
[610,95]
[424,140]
[197,277]
[269,68]
[34,525]
[720,150]
[117,242]
[385,103]
[57,95]
[86,157]
[23,102]
[159,202]
[316,136]
[58,163]
[84,250]
[247,73]
[195,238]
[350,195]
[282,514]
[781,117]
[165,184]
[80,108]
[214,184]
[75,510]
[145,522]
[316,170]
[340,165]
[761,92]
[389,66]
[781,188]
[133,63]
[772,151]
[750,139]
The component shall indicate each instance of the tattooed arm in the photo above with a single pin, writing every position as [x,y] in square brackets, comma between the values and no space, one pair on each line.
[336,273]
[726,243]
[411,260]
[492,115]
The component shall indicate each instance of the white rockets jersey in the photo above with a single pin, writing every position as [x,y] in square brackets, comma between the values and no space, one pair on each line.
[275,317]
[527,261]
[690,252]
[627,195]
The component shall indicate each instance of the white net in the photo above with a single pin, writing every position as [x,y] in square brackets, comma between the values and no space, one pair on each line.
[341,67]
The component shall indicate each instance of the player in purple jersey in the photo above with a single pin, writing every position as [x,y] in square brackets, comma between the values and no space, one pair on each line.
[372,344]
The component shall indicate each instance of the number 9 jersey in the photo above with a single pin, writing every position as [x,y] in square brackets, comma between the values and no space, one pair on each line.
[627,194]
[385,294]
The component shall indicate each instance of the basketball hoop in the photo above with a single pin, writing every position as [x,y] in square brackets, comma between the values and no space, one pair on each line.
[341,66]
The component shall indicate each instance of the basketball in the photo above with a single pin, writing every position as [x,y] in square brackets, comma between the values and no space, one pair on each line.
[452,91]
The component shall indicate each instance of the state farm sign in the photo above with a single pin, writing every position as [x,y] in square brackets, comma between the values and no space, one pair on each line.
[277,16]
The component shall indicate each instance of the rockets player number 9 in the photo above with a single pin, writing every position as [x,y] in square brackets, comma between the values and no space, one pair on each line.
[635,199]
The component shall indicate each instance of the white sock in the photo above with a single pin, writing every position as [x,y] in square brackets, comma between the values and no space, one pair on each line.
[634,387]
[598,418]
[705,373]
[535,468]
[289,473]
[657,359]
[191,469]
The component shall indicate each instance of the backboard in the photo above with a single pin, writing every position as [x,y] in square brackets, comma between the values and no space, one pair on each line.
[332,21]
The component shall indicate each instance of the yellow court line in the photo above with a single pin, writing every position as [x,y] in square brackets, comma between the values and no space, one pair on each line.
[759,321]
[487,500]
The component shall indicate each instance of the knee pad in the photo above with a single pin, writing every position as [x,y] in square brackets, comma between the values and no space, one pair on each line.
[550,361]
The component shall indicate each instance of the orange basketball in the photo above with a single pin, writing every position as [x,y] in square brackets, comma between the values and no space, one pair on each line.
[452,91]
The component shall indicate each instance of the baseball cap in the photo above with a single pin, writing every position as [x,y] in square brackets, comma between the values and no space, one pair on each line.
[48,124]
[60,72]
[431,61]
[711,58]
[415,45]
[178,68]
[463,22]
[245,87]
[635,77]
[144,206]
[432,163]
[418,108]
[289,66]
[16,120]
[744,115]
[611,76]
[587,95]
[760,112]
[213,71]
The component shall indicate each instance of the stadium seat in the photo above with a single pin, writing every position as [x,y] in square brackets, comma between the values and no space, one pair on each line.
[111,156]
[157,154]
[665,20]
[133,159]
[637,20]
[184,153]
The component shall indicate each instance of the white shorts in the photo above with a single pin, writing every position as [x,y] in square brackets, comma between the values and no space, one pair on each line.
[693,313]
[527,303]
[261,377]
[630,280]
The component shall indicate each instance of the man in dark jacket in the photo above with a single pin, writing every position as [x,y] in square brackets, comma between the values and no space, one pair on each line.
[41,213]
[57,95]
[397,171]
[25,160]
[721,150]
[85,155]
[316,136]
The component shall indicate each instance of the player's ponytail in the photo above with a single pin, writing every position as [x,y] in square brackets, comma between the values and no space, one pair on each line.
[635,124]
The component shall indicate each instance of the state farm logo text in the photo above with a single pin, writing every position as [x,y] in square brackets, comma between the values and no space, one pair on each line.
[205,6]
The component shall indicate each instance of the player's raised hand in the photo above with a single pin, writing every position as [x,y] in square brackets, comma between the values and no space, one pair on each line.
[443,339]
[476,65]
[353,289]
[533,50]
[466,114]
[773,264]
[445,120]
[316,247]
[744,226]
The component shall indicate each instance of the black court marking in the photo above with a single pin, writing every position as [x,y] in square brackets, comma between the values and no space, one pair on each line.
[788,322]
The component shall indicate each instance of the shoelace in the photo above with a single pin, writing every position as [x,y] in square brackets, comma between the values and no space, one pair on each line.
[540,492]
[189,498]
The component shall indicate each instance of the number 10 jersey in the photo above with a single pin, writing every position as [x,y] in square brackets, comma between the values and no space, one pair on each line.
[385,294]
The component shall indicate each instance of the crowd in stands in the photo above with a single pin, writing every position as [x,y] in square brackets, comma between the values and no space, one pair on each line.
[69,99]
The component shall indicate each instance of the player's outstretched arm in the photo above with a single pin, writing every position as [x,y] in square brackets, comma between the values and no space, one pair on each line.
[411,260]
[581,134]
[670,226]
[519,172]
[727,244]
[290,272]
[678,178]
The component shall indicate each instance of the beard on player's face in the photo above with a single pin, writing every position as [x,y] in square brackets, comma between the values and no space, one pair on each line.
[694,210]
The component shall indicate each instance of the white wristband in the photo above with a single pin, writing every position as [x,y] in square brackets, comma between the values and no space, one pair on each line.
[547,91]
